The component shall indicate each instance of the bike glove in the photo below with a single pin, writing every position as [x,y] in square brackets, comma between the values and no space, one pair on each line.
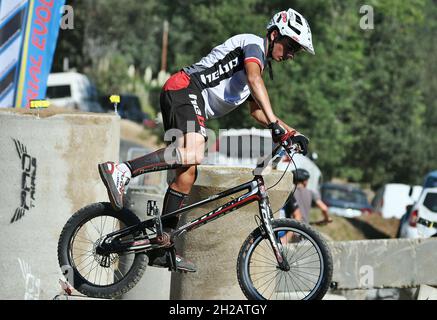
[302,141]
[278,132]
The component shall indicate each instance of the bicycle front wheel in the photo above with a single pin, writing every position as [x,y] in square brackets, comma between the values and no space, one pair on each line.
[308,256]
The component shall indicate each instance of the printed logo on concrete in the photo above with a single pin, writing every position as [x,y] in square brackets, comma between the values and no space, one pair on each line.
[28,181]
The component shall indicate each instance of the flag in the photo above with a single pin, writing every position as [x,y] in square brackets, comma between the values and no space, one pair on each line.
[28,35]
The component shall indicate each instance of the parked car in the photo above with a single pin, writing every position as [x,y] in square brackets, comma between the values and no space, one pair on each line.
[345,200]
[74,91]
[391,200]
[424,210]
[129,108]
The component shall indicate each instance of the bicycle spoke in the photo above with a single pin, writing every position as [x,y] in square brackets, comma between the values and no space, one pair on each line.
[274,289]
[308,262]
[95,228]
[83,254]
[266,262]
[267,248]
[303,254]
[86,231]
[85,240]
[269,282]
[303,283]
[292,283]
[264,276]
[295,250]
[83,250]
[84,261]
[300,272]
[91,269]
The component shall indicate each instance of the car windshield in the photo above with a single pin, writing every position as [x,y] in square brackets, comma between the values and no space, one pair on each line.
[56,92]
[339,194]
[431,202]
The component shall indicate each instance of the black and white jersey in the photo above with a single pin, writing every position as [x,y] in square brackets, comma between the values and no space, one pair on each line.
[221,75]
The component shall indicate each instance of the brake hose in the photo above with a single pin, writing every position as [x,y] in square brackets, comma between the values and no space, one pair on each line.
[295,185]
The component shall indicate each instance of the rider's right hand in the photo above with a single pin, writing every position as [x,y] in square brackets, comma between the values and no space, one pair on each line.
[278,132]
[288,139]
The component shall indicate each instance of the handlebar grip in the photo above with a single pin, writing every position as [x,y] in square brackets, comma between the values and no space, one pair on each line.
[299,140]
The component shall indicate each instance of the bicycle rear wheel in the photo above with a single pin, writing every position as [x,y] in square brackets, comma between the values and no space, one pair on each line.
[307,253]
[92,274]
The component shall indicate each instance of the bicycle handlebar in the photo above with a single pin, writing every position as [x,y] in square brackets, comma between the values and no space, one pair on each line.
[290,151]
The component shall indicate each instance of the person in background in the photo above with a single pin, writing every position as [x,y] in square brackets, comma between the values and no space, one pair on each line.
[298,205]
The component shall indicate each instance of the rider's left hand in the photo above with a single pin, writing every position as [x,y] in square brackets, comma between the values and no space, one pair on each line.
[302,141]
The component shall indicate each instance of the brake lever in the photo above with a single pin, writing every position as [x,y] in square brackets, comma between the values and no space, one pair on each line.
[291,151]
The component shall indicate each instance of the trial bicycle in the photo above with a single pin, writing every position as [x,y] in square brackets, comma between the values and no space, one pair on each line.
[102,252]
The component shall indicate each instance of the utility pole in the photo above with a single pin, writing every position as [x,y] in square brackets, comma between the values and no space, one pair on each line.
[164,47]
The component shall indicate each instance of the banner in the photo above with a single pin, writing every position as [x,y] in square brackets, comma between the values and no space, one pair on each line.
[28,34]
[13,15]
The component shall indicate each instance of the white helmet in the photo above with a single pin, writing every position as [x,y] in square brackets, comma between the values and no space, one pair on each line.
[292,24]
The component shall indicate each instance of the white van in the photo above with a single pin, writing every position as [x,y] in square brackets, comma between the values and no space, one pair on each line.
[392,199]
[72,90]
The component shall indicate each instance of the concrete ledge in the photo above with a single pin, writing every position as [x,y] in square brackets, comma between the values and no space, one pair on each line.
[49,171]
[395,263]
[214,247]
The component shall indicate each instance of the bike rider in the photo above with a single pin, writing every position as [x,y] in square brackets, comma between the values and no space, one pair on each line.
[211,88]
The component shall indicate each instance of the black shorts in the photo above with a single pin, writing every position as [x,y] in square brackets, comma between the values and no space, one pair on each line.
[182,105]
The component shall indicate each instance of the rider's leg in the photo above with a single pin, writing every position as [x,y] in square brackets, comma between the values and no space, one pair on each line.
[192,153]
[177,193]
[183,114]
[184,156]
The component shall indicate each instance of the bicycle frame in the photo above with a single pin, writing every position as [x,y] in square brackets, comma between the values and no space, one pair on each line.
[256,191]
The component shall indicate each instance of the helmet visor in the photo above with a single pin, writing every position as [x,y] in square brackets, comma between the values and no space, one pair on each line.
[292,46]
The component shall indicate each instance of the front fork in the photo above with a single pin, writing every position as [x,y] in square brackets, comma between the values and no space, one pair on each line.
[275,242]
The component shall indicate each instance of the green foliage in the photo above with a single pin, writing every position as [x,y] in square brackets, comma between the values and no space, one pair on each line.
[366,100]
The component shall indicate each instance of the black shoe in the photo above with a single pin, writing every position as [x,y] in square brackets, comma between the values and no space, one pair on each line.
[158,258]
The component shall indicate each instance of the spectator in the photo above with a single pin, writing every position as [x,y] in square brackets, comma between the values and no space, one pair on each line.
[299,204]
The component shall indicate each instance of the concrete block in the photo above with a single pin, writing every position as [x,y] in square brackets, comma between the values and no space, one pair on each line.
[155,283]
[393,263]
[214,247]
[48,171]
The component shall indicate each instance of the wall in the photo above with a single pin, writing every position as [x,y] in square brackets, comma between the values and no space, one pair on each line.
[48,170]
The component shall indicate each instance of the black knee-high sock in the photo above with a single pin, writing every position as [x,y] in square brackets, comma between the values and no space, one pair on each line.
[173,201]
[155,161]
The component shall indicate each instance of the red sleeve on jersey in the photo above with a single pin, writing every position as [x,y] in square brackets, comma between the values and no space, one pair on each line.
[253,59]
